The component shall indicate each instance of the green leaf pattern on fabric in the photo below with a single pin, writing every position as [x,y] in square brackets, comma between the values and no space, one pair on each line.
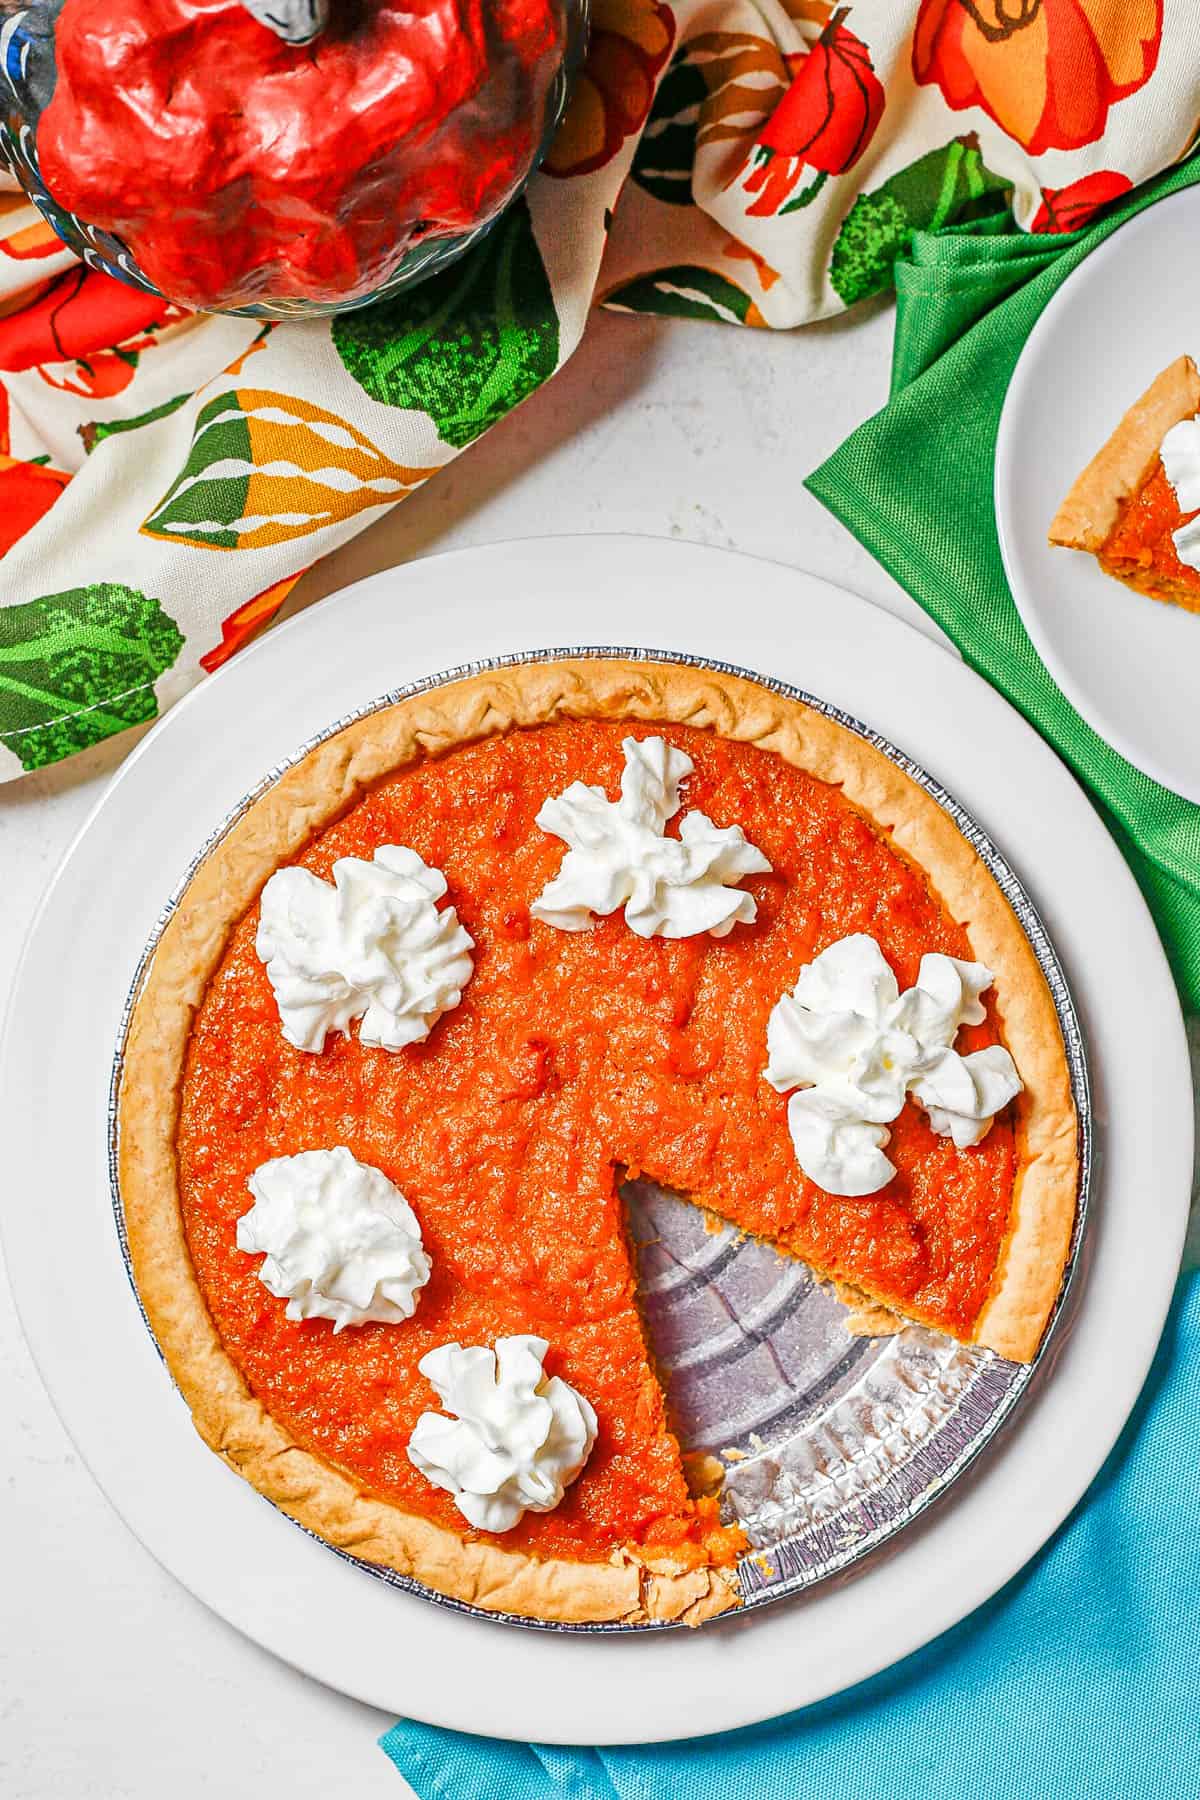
[220,451]
[466,346]
[947,187]
[79,666]
[686,292]
[663,161]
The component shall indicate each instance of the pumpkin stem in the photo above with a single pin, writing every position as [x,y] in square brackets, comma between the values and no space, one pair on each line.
[295,21]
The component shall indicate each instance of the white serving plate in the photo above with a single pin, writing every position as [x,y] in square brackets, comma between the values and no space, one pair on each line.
[834,1443]
[286,1590]
[1127,663]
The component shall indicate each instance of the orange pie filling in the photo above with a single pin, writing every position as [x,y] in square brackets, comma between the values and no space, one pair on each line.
[1140,549]
[572,1058]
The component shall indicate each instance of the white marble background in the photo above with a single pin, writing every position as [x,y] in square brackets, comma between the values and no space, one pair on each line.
[114,1683]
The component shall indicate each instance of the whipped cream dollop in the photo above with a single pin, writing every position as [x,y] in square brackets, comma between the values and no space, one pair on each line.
[853,1046]
[372,945]
[519,1439]
[618,856]
[1180,452]
[340,1240]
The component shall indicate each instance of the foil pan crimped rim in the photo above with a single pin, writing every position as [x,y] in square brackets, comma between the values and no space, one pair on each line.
[974,1393]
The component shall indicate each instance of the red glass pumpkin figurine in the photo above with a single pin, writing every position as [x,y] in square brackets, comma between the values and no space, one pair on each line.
[279,157]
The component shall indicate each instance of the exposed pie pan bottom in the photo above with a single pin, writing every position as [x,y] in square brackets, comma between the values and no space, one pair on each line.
[832,1443]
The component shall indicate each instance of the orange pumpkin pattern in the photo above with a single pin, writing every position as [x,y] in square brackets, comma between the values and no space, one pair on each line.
[27,489]
[629,43]
[823,123]
[248,619]
[1072,207]
[1047,71]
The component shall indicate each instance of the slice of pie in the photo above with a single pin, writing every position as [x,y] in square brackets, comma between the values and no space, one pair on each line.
[573,1057]
[1125,508]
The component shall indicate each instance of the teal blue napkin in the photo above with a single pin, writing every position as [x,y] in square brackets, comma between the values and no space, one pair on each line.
[1079,1681]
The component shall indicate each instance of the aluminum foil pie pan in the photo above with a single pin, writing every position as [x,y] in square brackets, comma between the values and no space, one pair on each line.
[831,1444]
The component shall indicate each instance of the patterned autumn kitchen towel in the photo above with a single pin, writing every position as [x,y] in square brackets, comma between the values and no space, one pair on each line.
[166,478]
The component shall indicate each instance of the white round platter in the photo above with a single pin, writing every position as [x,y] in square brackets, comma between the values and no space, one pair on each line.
[1126,662]
[286,1590]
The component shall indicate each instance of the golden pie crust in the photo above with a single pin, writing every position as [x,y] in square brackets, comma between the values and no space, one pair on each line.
[323,785]
[1092,509]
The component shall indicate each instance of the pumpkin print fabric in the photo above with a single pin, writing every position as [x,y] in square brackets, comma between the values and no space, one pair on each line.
[1046,71]
[166,477]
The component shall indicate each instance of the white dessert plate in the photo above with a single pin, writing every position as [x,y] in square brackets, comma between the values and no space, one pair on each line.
[286,1590]
[1127,663]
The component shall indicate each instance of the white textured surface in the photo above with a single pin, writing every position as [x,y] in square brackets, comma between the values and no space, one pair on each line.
[115,1682]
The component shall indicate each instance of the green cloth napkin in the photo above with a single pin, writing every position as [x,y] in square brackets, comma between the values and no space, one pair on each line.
[914,484]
